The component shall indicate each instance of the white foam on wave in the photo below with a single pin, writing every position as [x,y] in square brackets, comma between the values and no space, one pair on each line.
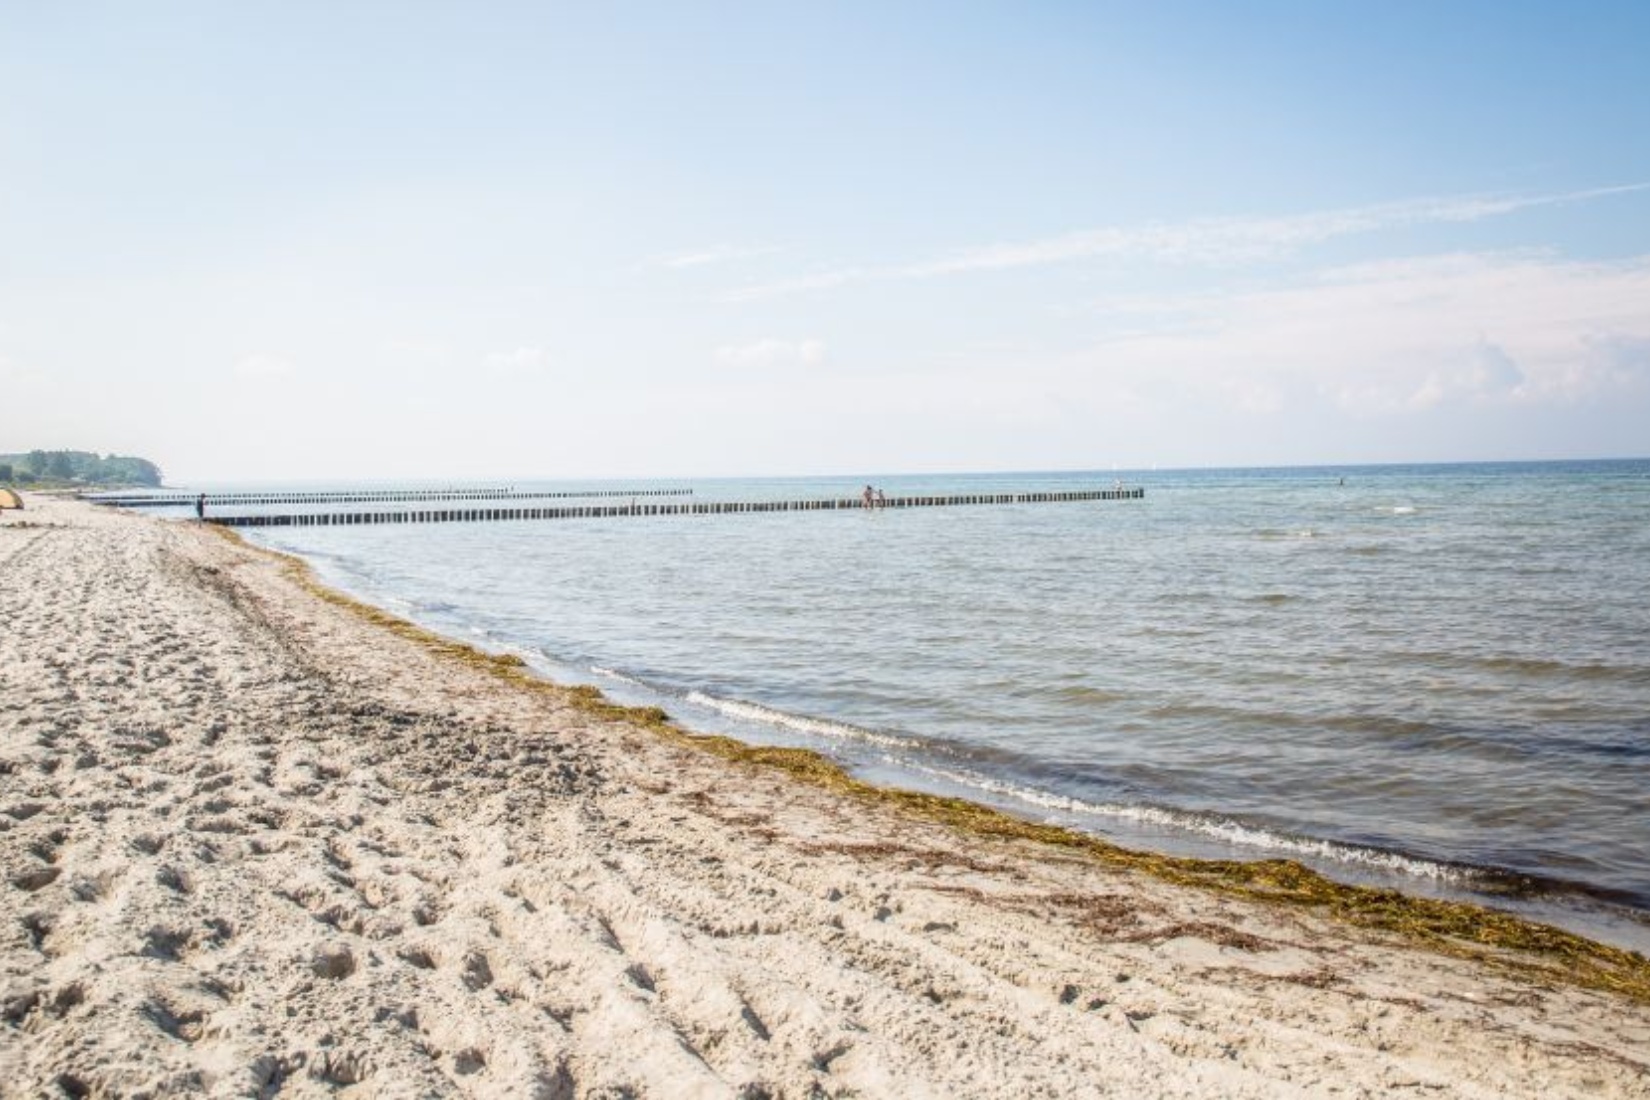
[614,674]
[1403,510]
[756,712]
[1221,829]
[527,653]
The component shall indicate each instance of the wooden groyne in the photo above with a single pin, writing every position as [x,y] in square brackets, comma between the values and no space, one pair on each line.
[683,508]
[370,496]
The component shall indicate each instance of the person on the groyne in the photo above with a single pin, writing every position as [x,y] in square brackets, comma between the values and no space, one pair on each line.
[868,496]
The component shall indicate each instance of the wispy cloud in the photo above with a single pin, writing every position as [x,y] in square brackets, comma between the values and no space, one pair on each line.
[414,349]
[1203,241]
[824,280]
[715,254]
[1499,328]
[519,363]
[772,353]
[262,365]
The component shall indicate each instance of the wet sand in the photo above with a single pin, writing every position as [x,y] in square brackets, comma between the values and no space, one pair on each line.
[255,844]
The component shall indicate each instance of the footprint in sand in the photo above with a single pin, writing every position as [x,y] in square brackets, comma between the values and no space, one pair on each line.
[36,878]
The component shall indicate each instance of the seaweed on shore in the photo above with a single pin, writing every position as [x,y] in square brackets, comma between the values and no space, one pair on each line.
[1522,948]
[1525,948]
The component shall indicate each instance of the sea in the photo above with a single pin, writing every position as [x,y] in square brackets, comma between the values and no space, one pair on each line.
[1428,677]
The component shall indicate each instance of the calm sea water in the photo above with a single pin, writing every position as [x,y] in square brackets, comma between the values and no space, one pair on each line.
[1435,677]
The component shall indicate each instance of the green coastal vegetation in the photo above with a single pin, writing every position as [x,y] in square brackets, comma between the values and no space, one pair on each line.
[76,470]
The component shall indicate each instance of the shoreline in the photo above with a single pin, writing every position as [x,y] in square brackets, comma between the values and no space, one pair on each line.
[258,835]
[1445,923]
[1571,905]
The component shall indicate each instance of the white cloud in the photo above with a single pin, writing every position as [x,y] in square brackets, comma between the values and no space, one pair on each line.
[262,365]
[1204,241]
[1487,374]
[522,362]
[1620,360]
[1381,338]
[414,349]
[715,254]
[772,353]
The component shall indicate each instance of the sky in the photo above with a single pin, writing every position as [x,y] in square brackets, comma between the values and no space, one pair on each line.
[278,241]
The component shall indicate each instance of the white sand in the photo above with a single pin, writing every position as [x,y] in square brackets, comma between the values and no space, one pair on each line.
[255,846]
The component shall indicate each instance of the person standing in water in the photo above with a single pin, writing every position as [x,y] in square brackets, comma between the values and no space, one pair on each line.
[868,496]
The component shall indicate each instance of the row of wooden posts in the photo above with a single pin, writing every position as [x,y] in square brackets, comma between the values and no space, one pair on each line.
[696,508]
[372,496]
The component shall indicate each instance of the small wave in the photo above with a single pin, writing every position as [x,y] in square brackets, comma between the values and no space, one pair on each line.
[1511,664]
[1379,725]
[1224,830]
[756,712]
[614,674]
[527,653]
[1403,510]
[1080,694]
[1538,667]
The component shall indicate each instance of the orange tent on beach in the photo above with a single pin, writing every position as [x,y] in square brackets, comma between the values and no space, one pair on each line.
[9,499]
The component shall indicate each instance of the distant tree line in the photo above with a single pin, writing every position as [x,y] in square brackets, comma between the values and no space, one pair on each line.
[82,467]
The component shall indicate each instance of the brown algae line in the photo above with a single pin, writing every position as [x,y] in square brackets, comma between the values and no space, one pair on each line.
[1520,947]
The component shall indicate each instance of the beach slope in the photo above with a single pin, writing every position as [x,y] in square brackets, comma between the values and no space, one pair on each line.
[254,843]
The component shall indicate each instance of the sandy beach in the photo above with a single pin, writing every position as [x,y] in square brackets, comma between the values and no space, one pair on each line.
[258,843]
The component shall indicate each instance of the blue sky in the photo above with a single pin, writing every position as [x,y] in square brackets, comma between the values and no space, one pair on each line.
[258,241]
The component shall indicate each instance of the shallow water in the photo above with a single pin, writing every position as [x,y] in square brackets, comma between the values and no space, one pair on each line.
[1436,676]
